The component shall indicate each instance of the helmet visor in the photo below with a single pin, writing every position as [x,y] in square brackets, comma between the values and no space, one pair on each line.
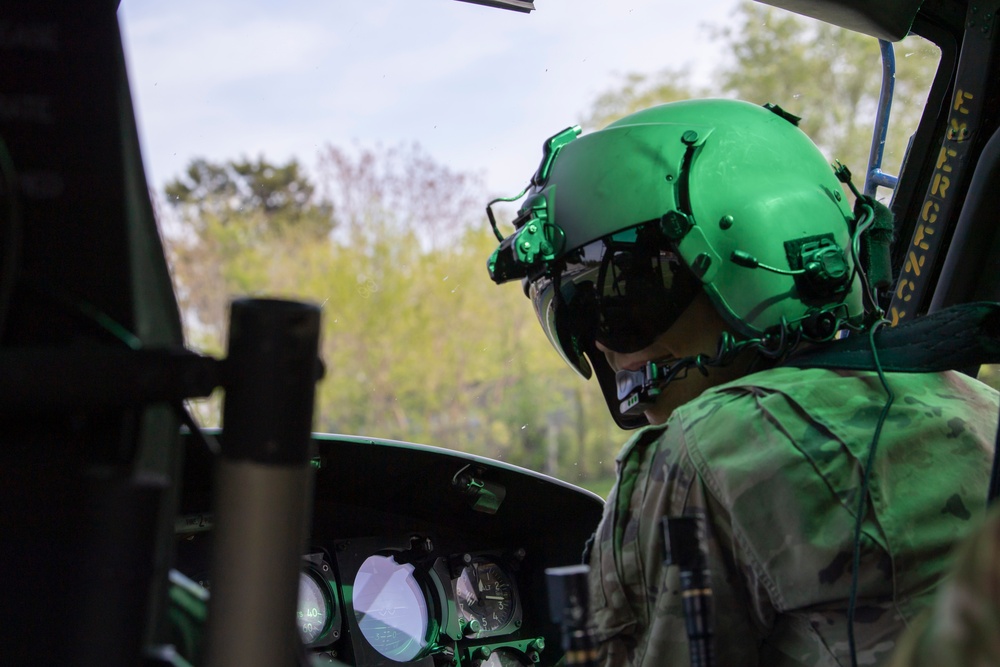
[622,291]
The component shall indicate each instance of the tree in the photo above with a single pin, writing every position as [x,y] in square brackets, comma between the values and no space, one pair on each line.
[828,76]
[229,211]
[263,198]
[418,343]
[417,331]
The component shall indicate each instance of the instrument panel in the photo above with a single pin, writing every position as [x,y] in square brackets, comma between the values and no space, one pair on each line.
[419,555]
[412,599]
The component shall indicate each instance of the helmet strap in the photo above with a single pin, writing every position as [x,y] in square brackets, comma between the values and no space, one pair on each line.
[638,390]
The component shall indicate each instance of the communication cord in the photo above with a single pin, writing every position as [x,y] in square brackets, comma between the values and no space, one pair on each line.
[489,210]
[863,495]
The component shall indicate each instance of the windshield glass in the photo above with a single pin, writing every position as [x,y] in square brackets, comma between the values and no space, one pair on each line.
[343,153]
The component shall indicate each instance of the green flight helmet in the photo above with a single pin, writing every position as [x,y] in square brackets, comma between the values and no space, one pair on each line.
[761,217]
[719,195]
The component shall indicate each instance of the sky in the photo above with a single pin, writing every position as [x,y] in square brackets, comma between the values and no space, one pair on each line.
[478,88]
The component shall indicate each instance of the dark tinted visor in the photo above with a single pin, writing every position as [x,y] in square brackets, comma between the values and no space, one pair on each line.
[622,291]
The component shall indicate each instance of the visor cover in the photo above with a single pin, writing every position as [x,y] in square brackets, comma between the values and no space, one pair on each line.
[621,291]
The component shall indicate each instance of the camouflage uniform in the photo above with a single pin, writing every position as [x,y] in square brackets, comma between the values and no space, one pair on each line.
[963,627]
[773,462]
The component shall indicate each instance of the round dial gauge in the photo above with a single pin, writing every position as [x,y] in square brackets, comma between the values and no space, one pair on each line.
[314,609]
[485,596]
[391,609]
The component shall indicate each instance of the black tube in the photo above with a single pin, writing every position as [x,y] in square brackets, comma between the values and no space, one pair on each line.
[683,547]
[40,378]
[568,608]
[270,381]
[263,484]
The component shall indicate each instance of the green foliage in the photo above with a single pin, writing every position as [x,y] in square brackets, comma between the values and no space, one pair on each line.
[990,374]
[601,487]
[233,211]
[257,197]
[418,343]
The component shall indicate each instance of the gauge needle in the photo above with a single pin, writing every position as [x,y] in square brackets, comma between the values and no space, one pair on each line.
[493,597]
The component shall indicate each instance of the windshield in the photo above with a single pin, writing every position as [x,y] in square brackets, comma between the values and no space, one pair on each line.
[343,153]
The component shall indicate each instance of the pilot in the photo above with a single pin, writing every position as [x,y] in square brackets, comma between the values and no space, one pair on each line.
[690,256]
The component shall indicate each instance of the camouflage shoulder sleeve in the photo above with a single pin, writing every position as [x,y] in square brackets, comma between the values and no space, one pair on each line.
[783,452]
[773,465]
[636,601]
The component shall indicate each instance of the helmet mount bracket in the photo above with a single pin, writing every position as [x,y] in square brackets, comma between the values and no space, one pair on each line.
[536,241]
[825,271]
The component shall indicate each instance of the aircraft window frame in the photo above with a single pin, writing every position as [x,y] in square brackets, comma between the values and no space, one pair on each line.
[917,165]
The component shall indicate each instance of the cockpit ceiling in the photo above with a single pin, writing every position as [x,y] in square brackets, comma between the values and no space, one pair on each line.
[885,19]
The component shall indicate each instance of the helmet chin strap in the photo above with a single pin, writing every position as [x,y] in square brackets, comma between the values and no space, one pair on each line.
[639,389]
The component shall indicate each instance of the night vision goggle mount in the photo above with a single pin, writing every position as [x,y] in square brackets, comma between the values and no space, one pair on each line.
[536,239]
[535,242]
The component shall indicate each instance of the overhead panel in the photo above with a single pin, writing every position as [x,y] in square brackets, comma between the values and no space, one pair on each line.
[884,19]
